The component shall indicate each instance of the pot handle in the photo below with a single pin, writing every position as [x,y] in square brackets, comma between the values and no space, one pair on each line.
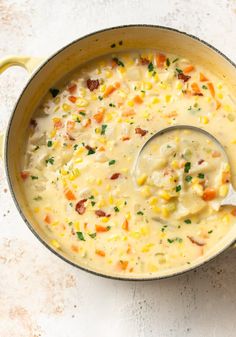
[27,62]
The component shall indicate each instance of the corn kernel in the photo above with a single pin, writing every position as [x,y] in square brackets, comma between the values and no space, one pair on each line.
[55,223]
[165,212]
[80,150]
[155,100]
[146,192]
[108,74]
[168,98]
[53,133]
[220,95]
[147,247]
[153,201]
[179,85]
[105,219]
[99,181]
[102,87]
[144,230]
[94,97]
[226,219]
[156,209]
[233,141]
[219,86]
[130,103]
[108,187]
[142,179]
[163,85]
[108,117]
[36,209]
[135,235]
[101,203]
[76,172]
[78,160]
[55,244]
[147,85]
[223,190]
[63,172]
[146,115]
[152,268]
[204,120]
[175,164]
[128,216]
[81,102]
[198,189]
[122,70]
[164,195]
[66,107]
[156,78]
[111,200]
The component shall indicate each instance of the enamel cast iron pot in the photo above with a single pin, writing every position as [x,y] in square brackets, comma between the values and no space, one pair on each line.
[69,58]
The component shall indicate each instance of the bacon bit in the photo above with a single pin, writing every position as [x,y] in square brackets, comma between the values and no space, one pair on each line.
[92,84]
[233,212]
[101,229]
[128,113]
[100,252]
[69,195]
[216,154]
[33,123]
[101,213]
[57,123]
[137,99]
[47,219]
[72,88]
[201,161]
[209,194]
[211,89]
[141,132]
[88,123]
[183,77]
[196,89]
[125,225]
[160,60]
[109,90]
[69,136]
[101,148]
[144,61]
[203,78]
[24,175]
[72,99]
[117,85]
[70,125]
[225,177]
[99,116]
[122,265]
[79,207]
[196,242]
[113,64]
[218,105]
[89,148]
[188,69]
[124,138]
[115,176]
[74,248]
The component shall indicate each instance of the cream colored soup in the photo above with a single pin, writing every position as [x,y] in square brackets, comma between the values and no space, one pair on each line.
[77,169]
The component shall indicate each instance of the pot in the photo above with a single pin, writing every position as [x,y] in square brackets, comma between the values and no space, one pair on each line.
[65,61]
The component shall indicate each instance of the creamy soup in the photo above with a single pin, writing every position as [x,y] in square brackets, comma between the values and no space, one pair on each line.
[78,165]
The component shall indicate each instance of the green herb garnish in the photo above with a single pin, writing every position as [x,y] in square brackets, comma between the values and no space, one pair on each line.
[112,162]
[116,209]
[103,131]
[80,236]
[54,92]
[34,177]
[49,143]
[118,62]
[112,105]
[167,62]
[91,151]
[140,213]
[150,67]
[179,71]
[91,197]
[70,223]
[100,98]
[75,146]
[93,235]
[201,175]
[175,60]
[204,86]
[178,188]
[78,120]
[38,198]
[50,160]
[211,231]
[188,178]
[187,167]
[188,221]
[93,203]
[36,148]
[82,113]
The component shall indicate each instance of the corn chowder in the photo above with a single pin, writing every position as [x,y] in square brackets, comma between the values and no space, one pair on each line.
[77,168]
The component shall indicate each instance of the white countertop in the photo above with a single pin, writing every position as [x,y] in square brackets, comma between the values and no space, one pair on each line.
[42,296]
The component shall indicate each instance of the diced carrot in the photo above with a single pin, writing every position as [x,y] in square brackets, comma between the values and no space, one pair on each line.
[72,88]
[117,85]
[233,212]
[195,88]
[211,89]
[188,69]
[101,229]
[225,177]
[125,225]
[57,123]
[218,105]
[109,90]
[72,99]
[24,175]
[69,195]
[160,60]
[128,113]
[88,123]
[70,125]
[122,265]
[216,154]
[124,138]
[74,248]
[202,77]
[99,117]
[47,219]
[137,99]
[100,252]
[209,194]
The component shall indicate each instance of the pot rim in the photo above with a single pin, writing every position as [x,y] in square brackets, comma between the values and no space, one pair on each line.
[5,157]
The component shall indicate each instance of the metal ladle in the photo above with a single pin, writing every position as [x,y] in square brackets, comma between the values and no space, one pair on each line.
[230,198]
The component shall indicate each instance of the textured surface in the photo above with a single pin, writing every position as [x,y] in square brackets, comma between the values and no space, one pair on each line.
[41,295]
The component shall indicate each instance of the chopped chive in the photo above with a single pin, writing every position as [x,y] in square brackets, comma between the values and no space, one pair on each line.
[175,60]
[167,62]
[49,143]
[204,86]
[75,146]
[82,113]
[36,148]
[140,213]
[150,67]
[116,209]
[54,92]
[93,203]
[78,120]
[80,236]
[103,131]
[188,178]
[112,162]
[209,232]
[50,160]
[201,175]
[188,221]
[91,197]
[70,223]
[187,167]
[34,177]
[38,198]
[178,188]
[91,151]
[100,98]
[118,62]
[93,235]
[112,105]
[179,71]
